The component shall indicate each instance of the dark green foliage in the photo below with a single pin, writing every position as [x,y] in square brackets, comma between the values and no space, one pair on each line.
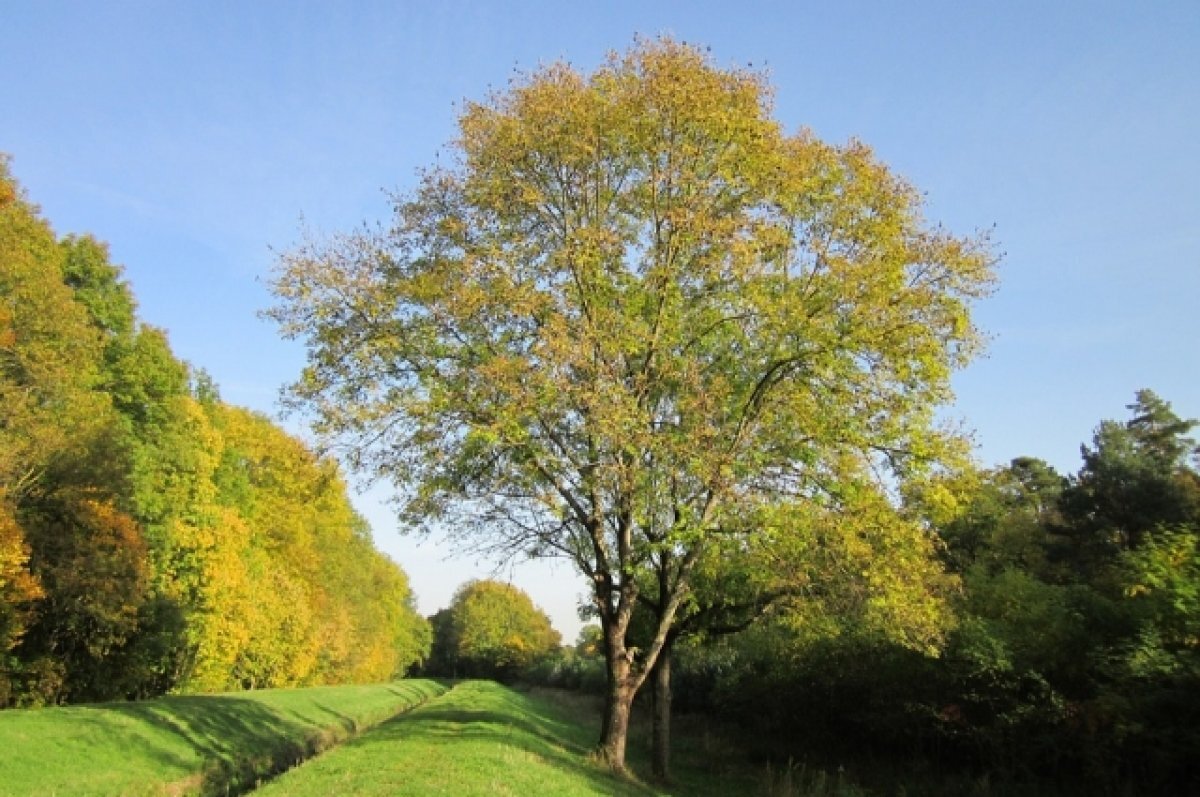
[1136,477]
[1006,521]
[1074,666]
[579,667]
[567,669]
[1075,663]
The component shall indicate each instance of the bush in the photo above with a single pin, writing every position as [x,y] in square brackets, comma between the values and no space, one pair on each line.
[567,669]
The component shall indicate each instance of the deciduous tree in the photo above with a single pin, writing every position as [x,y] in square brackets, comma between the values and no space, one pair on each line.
[629,314]
[492,630]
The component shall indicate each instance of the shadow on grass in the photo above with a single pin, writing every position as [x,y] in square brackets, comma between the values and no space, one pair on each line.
[239,742]
[231,744]
[706,759]
[499,718]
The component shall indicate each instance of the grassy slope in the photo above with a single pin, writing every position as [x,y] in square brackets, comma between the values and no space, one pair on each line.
[186,744]
[482,739]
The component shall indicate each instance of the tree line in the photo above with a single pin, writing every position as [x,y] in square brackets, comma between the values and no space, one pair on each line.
[152,537]
[1070,659]
[1073,651]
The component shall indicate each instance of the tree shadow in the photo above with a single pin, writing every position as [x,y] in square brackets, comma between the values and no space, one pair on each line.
[237,742]
[509,722]
[230,744]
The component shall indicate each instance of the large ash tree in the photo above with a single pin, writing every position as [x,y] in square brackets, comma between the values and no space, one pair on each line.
[630,319]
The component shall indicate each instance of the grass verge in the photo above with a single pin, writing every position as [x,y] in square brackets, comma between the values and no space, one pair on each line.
[188,744]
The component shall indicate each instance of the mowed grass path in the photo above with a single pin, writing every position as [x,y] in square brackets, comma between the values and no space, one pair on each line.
[188,744]
[478,739]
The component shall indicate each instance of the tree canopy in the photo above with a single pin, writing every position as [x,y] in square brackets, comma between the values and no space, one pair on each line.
[630,318]
[490,630]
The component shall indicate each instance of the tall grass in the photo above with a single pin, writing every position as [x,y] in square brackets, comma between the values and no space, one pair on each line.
[798,780]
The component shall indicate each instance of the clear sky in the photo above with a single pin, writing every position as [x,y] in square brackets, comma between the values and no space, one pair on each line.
[194,136]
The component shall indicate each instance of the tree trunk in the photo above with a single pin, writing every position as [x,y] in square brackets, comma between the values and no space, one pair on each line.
[617,708]
[608,689]
[662,715]
[618,700]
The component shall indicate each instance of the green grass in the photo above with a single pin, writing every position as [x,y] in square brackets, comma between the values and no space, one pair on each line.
[193,744]
[484,739]
[478,738]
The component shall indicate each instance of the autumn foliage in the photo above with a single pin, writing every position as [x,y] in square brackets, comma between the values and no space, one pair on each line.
[152,537]
[490,630]
[633,323]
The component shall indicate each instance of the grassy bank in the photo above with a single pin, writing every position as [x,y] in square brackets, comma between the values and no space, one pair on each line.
[195,744]
[484,739]
[479,739]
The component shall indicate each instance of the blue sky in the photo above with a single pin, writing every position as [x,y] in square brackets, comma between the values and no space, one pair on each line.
[193,137]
